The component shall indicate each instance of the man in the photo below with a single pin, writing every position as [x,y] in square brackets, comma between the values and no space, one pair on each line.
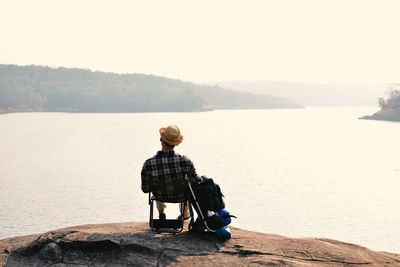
[166,167]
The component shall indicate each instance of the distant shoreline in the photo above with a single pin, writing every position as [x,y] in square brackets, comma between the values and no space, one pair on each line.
[41,88]
[156,111]
[387,114]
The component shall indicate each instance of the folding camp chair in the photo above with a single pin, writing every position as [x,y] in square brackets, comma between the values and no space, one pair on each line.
[168,225]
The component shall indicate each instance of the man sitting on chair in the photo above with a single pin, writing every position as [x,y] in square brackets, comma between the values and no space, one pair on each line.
[167,167]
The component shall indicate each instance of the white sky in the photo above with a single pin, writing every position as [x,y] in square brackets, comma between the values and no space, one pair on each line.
[205,41]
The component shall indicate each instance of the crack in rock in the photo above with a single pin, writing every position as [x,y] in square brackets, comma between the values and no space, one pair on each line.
[163,259]
[245,253]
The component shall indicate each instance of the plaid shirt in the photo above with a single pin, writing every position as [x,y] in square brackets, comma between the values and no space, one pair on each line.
[164,175]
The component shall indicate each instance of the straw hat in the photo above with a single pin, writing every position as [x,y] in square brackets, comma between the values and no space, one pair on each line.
[171,135]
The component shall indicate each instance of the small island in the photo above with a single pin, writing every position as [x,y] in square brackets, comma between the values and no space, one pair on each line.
[134,244]
[390,108]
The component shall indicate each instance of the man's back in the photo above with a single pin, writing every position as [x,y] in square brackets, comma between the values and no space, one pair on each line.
[164,175]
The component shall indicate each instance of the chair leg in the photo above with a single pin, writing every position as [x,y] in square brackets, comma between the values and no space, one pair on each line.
[151,214]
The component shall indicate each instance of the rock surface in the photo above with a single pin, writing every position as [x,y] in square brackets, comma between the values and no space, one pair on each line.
[133,244]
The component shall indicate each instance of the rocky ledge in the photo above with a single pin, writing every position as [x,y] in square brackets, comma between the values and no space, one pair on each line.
[133,244]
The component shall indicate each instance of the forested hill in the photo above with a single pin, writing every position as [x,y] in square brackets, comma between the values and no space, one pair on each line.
[38,88]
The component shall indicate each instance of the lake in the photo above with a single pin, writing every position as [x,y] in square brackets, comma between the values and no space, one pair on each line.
[313,172]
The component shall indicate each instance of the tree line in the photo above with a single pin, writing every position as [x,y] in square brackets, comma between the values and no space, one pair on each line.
[41,88]
[393,101]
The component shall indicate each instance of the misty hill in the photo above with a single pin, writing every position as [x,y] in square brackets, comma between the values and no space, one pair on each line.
[313,94]
[390,108]
[38,88]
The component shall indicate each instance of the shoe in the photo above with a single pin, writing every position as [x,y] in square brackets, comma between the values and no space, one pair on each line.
[162,216]
[180,218]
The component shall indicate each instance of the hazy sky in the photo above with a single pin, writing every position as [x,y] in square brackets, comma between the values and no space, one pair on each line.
[205,41]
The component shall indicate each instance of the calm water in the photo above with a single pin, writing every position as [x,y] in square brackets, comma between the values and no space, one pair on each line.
[314,172]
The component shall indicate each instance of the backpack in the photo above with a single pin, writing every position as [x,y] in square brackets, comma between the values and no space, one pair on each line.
[207,199]
[208,195]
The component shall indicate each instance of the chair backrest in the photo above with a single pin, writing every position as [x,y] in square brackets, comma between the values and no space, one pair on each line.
[169,190]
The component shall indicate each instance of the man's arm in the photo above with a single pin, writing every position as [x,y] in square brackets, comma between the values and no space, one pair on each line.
[145,180]
[192,173]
